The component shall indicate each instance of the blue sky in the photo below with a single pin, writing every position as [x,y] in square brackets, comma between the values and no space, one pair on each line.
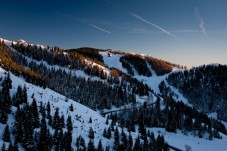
[187,32]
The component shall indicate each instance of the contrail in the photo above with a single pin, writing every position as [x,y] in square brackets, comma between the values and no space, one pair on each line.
[185,31]
[101,29]
[70,17]
[63,14]
[202,23]
[154,25]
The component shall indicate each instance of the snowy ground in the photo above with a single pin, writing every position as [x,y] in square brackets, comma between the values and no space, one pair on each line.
[113,61]
[179,140]
[81,115]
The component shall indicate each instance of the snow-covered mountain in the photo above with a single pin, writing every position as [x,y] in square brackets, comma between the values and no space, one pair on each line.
[87,84]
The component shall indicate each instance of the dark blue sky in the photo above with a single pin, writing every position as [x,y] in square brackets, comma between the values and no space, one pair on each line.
[188,32]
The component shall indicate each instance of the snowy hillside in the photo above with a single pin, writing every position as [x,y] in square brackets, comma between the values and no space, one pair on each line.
[127,100]
[81,124]
[81,115]
[113,61]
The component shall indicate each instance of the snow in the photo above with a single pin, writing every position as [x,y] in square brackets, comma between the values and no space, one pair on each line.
[177,95]
[153,81]
[22,41]
[180,140]
[213,115]
[81,114]
[107,71]
[113,61]
[25,43]
[81,125]
[78,73]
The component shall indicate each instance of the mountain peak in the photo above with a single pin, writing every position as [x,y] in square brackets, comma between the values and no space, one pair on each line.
[22,41]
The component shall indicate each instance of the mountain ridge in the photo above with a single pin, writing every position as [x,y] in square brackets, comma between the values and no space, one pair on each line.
[138,101]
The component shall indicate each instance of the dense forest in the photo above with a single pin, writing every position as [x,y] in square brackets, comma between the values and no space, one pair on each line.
[137,62]
[35,128]
[8,61]
[95,94]
[143,64]
[175,115]
[205,87]
[90,53]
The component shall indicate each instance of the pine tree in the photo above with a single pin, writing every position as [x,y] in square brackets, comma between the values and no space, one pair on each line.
[3,117]
[91,146]
[35,114]
[6,134]
[10,148]
[49,117]
[188,123]
[137,145]
[5,99]
[90,120]
[3,147]
[58,136]
[18,130]
[145,144]
[108,133]
[104,132]
[69,124]
[130,142]
[55,137]
[124,139]
[152,144]
[67,141]
[107,121]
[116,139]
[15,146]
[142,129]
[160,142]
[148,133]
[62,122]
[44,137]
[100,145]
[107,148]
[112,125]
[56,119]
[71,108]
[171,121]
[24,95]
[91,133]
[80,144]
[19,96]
[42,109]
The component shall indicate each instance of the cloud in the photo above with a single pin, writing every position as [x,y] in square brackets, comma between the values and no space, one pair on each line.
[154,25]
[99,28]
[201,21]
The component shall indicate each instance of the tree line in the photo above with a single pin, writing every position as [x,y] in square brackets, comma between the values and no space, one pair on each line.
[205,87]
